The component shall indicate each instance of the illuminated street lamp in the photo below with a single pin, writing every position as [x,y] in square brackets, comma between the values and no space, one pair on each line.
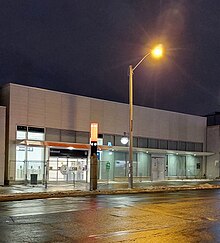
[156,52]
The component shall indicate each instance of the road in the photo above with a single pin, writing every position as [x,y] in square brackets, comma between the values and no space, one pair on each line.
[190,216]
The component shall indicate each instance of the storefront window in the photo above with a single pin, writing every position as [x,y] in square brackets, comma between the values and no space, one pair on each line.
[21,132]
[35,133]
[29,160]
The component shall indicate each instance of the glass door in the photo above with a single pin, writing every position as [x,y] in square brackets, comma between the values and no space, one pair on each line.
[65,169]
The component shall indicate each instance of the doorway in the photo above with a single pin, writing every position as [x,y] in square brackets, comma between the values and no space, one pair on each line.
[67,169]
[157,168]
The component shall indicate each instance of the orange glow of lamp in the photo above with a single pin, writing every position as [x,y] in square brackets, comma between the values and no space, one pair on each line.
[94,132]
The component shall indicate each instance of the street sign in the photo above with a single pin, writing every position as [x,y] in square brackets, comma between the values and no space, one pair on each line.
[108,165]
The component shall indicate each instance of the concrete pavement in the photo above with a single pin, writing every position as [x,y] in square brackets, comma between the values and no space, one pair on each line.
[55,190]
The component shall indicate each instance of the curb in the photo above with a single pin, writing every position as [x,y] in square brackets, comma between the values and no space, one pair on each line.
[74,193]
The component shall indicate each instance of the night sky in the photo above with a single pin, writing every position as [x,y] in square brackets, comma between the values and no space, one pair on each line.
[84,47]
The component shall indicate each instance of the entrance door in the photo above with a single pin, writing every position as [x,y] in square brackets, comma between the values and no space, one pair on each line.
[65,169]
[157,168]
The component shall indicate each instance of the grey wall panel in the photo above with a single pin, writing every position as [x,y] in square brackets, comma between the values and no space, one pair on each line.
[36,107]
[18,105]
[71,112]
[2,143]
[53,109]
[213,144]
[121,119]
[97,113]
[110,118]
[83,111]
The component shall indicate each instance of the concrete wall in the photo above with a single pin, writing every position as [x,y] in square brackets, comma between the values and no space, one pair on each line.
[45,108]
[38,107]
[213,144]
[2,143]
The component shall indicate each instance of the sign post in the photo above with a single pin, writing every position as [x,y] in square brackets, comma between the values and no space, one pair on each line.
[93,158]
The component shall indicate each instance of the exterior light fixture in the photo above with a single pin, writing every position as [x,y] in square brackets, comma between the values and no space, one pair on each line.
[124,139]
[157,53]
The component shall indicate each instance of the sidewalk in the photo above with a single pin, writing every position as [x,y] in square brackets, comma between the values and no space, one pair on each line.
[22,192]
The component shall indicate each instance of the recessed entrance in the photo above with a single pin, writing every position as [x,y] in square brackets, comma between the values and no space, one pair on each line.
[67,169]
[157,168]
[67,165]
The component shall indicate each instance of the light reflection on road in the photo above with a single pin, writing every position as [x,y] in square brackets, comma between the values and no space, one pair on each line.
[191,216]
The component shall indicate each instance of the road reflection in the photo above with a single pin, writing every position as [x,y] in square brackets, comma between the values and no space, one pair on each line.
[190,216]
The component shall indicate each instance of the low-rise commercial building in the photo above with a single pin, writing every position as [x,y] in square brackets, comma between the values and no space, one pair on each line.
[47,134]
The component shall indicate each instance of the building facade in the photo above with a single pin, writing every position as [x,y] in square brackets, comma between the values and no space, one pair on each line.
[47,134]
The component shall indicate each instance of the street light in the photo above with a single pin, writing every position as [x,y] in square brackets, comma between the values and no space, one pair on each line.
[156,52]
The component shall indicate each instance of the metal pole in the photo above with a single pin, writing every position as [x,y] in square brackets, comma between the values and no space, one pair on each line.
[130,165]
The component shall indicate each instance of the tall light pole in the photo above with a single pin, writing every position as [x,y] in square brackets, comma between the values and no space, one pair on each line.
[157,52]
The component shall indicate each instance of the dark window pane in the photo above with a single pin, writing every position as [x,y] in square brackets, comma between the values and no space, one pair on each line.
[36,129]
[21,128]
[163,144]
[82,137]
[199,147]
[217,119]
[152,143]
[142,142]
[182,146]
[108,140]
[118,140]
[68,136]
[53,134]
[190,146]
[172,145]
[211,120]
[135,142]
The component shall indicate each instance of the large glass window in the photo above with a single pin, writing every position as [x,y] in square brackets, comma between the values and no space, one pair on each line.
[144,161]
[176,166]
[35,133]
[192,165]
[29,160]
[20,162]
[120,164]
[35,161]
[21,132]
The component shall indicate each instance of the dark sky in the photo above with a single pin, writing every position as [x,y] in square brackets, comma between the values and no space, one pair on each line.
[85,47]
